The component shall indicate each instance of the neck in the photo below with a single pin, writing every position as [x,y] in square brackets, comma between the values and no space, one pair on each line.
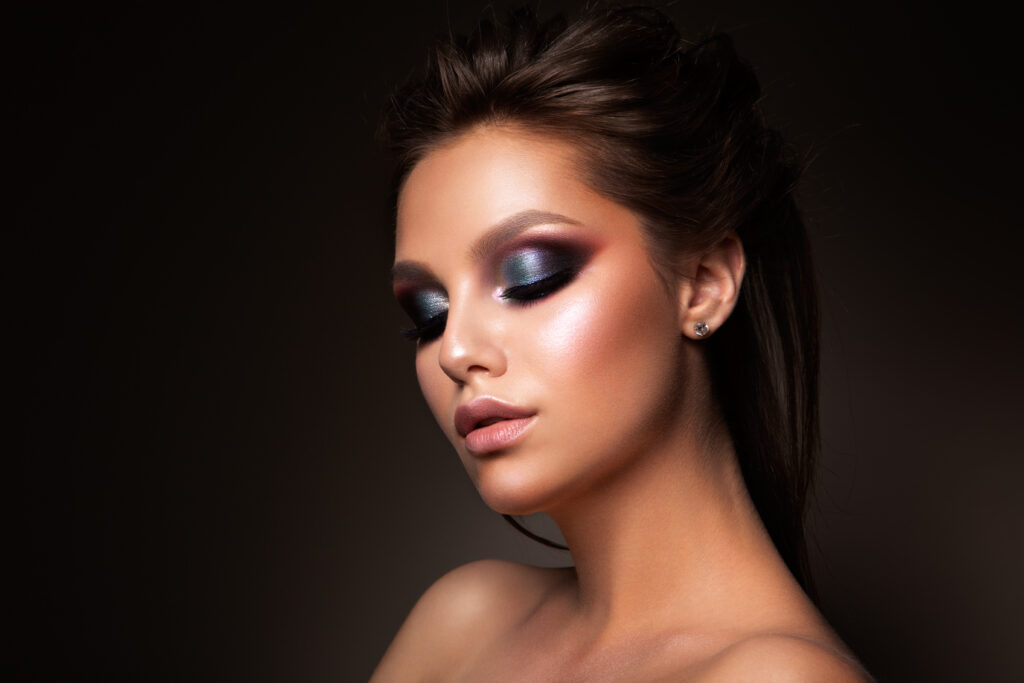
[693,548]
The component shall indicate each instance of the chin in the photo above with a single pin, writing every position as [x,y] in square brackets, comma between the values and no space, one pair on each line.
[511,490]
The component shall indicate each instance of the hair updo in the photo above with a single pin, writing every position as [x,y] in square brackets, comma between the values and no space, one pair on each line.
[672,131]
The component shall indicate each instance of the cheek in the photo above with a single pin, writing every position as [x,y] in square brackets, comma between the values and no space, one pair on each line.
[574,337]
[608,356]
[616,313]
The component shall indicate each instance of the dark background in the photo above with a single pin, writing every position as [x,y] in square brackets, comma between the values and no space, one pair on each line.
[223,469]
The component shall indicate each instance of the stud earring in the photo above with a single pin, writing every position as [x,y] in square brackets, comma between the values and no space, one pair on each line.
[701,329]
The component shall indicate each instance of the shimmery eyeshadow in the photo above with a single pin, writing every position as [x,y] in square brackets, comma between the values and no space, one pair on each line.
[531,265]
[427,304]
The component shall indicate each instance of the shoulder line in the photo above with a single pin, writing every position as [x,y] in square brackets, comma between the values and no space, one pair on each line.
[785,658]
[488,583]
[475,603]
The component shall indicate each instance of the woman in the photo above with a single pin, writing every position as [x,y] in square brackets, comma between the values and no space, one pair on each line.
[615,324]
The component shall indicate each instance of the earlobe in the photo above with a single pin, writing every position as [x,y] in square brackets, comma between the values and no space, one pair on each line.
[710,292]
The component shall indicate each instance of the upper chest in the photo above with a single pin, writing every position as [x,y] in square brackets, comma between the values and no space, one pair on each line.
[548,648]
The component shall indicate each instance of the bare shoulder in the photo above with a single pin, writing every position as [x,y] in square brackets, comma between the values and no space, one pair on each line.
[470,606]
[784,658]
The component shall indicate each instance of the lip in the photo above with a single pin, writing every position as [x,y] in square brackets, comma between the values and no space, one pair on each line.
[513,422]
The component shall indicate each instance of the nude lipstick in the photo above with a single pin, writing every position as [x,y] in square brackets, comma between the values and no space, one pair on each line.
[490,425]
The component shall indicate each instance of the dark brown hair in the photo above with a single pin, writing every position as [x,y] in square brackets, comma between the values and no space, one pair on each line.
[672,131]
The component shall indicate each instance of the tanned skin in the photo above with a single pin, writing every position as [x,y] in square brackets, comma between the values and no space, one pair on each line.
[675,577]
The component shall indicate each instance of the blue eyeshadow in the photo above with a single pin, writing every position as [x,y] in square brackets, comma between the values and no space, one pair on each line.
[426,304]
[535,264]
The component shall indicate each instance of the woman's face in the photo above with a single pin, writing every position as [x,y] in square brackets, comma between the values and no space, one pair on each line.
[527,287]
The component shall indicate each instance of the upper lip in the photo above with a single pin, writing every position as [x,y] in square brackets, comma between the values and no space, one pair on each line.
[471,414]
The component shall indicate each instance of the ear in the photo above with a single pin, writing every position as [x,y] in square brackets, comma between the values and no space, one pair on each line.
[711,286]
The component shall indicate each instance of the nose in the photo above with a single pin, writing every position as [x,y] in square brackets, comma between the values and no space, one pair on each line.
[470,344]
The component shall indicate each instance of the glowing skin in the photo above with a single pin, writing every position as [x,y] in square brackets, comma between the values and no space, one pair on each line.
[526,286]
[599,358]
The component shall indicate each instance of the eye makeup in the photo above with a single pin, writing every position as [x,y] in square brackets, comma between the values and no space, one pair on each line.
[525,271]
[428,309]
[534,271]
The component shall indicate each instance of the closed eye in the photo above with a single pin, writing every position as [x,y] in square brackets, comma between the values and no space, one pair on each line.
[427,307]
[428,331]
[541,288]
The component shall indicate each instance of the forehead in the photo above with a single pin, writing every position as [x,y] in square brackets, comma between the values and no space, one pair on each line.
[457,191]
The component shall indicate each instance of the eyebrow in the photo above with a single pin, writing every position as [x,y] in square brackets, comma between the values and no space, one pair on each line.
[487,244]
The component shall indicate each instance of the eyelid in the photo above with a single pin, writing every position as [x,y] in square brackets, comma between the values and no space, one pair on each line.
[425,332]
[538,289]
[555,246]
[423,305]
[533,261]
[561,259]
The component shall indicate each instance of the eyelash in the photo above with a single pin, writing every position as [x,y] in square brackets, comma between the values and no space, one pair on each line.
[428,331]
[541,288]
[525,295]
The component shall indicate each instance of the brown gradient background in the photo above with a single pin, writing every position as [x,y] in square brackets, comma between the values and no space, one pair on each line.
[223,469]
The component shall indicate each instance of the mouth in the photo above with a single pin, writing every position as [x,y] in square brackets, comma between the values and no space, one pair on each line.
[488,424]
[498,435]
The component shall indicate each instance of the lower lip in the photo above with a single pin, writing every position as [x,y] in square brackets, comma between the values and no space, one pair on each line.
[498,436]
